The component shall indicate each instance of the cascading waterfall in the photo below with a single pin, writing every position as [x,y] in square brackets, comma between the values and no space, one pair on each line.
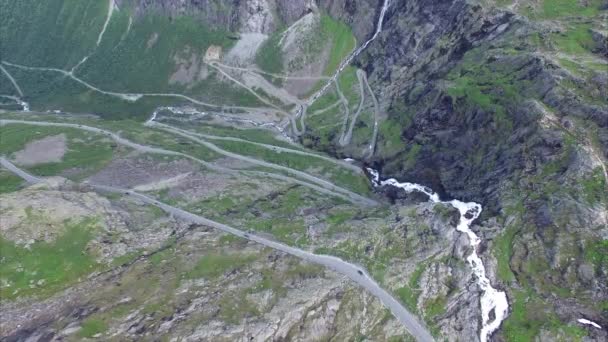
[25,107]
[491,298]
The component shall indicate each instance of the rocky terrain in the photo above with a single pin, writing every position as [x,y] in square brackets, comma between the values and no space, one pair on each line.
[249,111]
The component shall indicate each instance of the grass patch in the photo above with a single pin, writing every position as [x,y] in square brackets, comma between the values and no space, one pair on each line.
[9,182]
[343,41]
[409,294]
[596,252]
[562,8]
[435,307]
[323,169]
[595,187]
[289,231]
[85,151]
[53,33]
[576,40]
[270,57]
[234,308]
[214,265]
[92,327]
[503,251]
[47,267]
[526,318]
[390,137]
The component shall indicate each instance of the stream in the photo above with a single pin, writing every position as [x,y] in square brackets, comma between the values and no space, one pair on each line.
[492,300]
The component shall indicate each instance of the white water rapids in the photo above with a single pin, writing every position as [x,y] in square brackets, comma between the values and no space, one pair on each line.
[491,298]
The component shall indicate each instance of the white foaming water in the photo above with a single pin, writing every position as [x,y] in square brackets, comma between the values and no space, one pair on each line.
[588,322]
[24,105]
[491,298]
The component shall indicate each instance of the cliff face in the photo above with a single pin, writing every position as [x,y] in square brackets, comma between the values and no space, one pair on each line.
[245,16]
[502,106]
[490,109]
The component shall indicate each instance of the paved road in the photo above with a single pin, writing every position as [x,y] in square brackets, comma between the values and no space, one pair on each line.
[274,148]
[261,72]
[318,184]
[12,168]
[347,136]
[354,272]
[372,144]
[356,197]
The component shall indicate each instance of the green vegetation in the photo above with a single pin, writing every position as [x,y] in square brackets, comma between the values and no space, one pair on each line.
[595,189]
[341,176]
[289,231]
[503,252]
[305,271]
[576,40]
[390,137]
[561,8]
[270,57]
[85,151]
[9,182]
[342,39]
[48,90]
[409,294]
[411,156]
[214,265]
[596,252]
[92,327]
[234,308]
[435,307]
[349,85]
[262,136]
[120,64]
[490,87]
[52,33]
[529,314]
[46,267]
[6,88]
[136,132]
[526,318]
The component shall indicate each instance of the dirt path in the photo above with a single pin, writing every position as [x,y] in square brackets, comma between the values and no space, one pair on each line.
[10,77]
[346,138]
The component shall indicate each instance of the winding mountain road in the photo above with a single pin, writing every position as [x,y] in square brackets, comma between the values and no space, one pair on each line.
[312,182]
[346,137]
[273,148]
[303,175]
[372,144]
[261,72]
[354,272]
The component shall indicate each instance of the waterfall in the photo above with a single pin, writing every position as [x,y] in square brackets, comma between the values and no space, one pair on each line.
[491,298]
